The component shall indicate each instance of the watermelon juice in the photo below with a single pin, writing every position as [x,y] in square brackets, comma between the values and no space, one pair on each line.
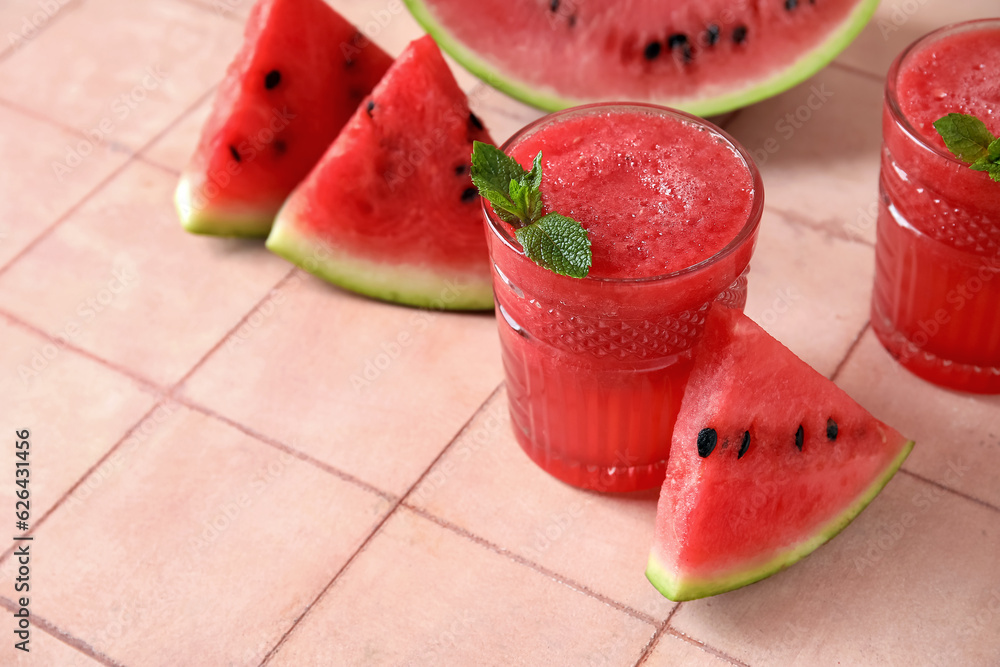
[596,367]
[936,303]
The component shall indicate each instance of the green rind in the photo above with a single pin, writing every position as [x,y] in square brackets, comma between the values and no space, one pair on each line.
[216,223]
[406,284]
[692,589]
[807,65]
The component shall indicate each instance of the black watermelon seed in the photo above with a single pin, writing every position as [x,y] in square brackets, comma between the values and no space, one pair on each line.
[676,40]
[652,50]
[370,107]
[744,446]
[280,147]
[469,194]
[791,4]
[554,5]
[235,153]
[474,119]
[799,437]
[740,34]
[461,169]
[707,439]
[272,79]
[712,35]
[831,429]
[572,20]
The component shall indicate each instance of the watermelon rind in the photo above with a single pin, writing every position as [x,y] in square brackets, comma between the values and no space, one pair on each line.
[808,64]
[248,224]
[411,285]
[693,589]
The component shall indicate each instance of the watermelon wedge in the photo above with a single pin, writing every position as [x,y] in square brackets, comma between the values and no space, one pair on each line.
[703,56]
[300,74]
[390,210]
[769,460]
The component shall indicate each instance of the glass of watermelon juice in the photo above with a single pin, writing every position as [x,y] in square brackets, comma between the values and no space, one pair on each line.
[595,367]
[936,302]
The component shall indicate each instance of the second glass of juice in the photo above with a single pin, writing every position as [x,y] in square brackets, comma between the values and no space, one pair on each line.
[936,303]
[596,367]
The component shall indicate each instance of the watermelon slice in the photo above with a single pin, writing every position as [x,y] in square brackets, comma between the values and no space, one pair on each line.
[703,56]
[769,460]
[301,73]
[390,211]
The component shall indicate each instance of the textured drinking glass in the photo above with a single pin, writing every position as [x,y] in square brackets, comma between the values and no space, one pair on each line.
[936,302]
[595,367]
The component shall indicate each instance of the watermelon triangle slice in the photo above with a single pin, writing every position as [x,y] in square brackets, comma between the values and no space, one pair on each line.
[390,210]
[300,74]
[769,460]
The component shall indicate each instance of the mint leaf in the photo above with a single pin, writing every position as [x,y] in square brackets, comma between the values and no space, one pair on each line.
[993,152]
[492,169]
[966,137]
[553,241]
[557,243]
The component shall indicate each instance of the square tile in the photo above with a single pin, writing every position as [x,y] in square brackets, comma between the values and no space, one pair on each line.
[145,294]
[897,23]
[817,147]
[206,535]
[451,601]
[46,389]
[373,389]
[48,180]
[44,649]
[914,580]
[810,289]
[672,651]
[957,434]
[156,58]
[486,485]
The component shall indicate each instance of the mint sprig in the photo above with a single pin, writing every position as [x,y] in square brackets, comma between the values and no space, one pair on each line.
[555,242]
[971,141]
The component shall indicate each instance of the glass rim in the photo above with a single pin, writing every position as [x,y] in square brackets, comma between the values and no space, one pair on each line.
[892,103]
[498,227]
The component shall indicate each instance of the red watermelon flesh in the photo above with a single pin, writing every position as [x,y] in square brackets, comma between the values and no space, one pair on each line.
[300,74]
[390,210]
[769,460]
[704,56]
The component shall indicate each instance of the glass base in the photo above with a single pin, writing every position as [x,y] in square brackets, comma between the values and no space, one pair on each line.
[937,370]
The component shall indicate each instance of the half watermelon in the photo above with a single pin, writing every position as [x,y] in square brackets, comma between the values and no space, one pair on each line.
[769,460]
[390,211]
[301,73]
[703,56]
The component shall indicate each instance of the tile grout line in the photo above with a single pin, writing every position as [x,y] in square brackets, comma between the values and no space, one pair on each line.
[11,50]
[148,161]
[955,492]
[280,446]
[850,351]
[836,64]
[59,635]
[229,16]
[656,636]
[797,219]
[129,160]
[145,382]
[521,560]
[706,647]
[378,527]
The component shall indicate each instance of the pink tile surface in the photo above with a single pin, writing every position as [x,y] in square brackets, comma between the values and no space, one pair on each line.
[120,72]
[436,606]
[45,387]
[141,291]
[360,402]
[335,481]
[195,532]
